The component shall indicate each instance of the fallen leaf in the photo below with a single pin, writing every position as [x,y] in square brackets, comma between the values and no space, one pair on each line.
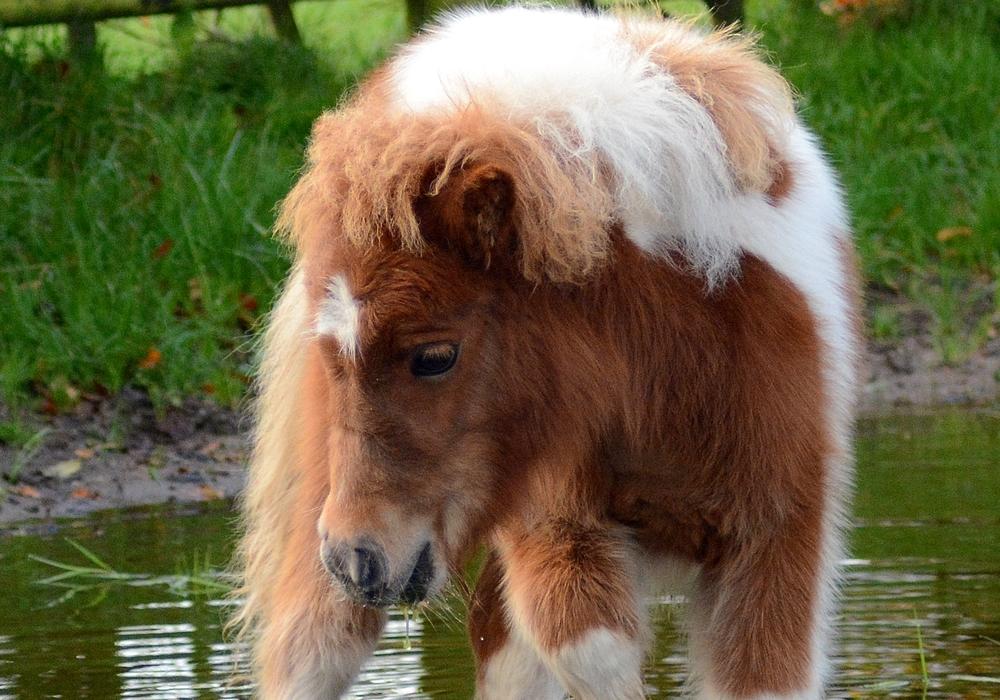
[63,470]
[249,302]
[946,234]
[165,247]
[27,491]
[84,453]
[82,492]
[209,492]
[194,289]
[151,360]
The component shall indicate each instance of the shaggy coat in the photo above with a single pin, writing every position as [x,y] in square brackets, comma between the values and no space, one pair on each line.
[579,289]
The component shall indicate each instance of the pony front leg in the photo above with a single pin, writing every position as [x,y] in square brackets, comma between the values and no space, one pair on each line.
[507,665]
[757,627]
[570,592]
[313,640]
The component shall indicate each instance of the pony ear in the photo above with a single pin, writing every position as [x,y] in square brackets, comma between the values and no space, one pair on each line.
[473,213]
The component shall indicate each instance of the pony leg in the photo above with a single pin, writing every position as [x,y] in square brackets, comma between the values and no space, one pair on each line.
[757,629]
[316,653]
[313,640]
[507,666]
[570,591]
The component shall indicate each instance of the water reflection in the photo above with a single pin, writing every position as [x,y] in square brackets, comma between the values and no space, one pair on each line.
[925,581]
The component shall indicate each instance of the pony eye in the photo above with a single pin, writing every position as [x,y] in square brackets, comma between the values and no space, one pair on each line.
[433,360]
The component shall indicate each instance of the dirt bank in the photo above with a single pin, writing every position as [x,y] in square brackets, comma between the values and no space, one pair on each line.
[118,453]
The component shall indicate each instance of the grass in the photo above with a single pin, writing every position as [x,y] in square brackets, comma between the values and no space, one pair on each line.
[925,679]
[96,577]
[884,323]
[136,199]
[908,112]
[136,202]
[27,450]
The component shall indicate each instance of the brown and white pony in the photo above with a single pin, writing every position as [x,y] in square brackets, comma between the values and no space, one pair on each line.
[580,289]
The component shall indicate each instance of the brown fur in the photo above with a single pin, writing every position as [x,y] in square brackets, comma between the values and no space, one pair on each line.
[604,402]
[488,629]
[667,466]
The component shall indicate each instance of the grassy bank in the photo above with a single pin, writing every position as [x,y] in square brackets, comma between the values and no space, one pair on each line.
[136,199]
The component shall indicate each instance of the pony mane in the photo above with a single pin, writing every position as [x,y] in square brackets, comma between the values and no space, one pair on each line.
[367,168]
[651,126]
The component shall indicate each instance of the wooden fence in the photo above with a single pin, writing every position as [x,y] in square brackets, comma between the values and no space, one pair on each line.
[80,15]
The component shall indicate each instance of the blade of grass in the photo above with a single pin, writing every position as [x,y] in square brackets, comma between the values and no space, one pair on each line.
[89,554]
[924,676]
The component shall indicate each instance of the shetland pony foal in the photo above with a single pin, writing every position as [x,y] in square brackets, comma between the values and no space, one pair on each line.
[580,289]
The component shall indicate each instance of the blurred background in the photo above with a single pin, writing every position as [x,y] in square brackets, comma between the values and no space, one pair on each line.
[138,179]
[141,161]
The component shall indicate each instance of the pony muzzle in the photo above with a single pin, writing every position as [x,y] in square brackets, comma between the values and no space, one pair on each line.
[366,574]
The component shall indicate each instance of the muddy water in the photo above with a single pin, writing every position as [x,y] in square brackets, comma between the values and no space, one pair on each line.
[924,578]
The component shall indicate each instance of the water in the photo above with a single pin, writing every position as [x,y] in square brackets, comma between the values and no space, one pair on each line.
[925,575]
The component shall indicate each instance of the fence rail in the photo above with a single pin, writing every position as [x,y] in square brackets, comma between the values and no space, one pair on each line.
[80,15]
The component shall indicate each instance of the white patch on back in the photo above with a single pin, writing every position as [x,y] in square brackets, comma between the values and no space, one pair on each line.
[338,316]
[592,96]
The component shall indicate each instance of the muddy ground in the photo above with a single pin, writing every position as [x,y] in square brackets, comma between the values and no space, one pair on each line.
[117,453]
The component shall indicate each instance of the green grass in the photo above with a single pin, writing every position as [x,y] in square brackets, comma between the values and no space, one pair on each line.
[136,200]
[925,680]
[909,113]
[29,445]
[95,577]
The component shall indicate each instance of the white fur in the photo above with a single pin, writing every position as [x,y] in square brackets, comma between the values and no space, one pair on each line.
[516,672]
[593,96]
[603,665]
[338,315]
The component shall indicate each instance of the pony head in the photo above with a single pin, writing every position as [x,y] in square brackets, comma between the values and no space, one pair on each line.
[440,374]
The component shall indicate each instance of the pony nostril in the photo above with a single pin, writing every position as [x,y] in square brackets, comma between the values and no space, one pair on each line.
[332,558]
[418,584]
[365,569]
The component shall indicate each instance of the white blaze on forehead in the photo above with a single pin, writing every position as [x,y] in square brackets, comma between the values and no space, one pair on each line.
[338,315]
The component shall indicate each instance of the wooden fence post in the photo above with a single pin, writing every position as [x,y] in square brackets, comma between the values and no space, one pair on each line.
[82,38]
[416,14]
[726,11]
[284,20]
